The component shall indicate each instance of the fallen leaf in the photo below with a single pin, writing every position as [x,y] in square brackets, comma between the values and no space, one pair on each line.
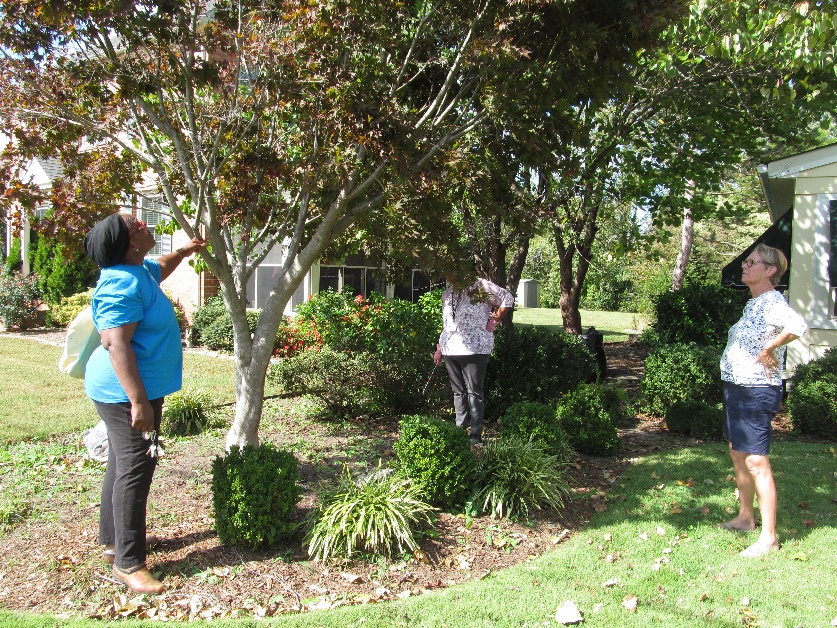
[709,482]
[404,594]
[676,509]
[808,523]
[704,510]
[643,536]
[630,601]
[352,578]
[610,583]
[608,536]
[568,613]
[598,607]
[600,508]
[803,505]
[834,622]
[421,556]
[703,597]
[661,531]
[745,601]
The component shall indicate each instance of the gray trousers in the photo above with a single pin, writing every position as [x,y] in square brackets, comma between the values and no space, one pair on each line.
[126,485]
[467,375]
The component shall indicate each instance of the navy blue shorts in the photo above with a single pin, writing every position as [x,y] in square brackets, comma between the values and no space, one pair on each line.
[748,413]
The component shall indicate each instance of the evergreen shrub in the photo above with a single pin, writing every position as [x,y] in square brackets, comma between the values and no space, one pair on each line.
[69,307]
[436,456]
[697,418]
[515,475]
[812,401]
[219,336]
[534,364]
[254,492]
[340,381]
[589,415]
[680,372]
[378,513]
[203,316]
[61,273]
[536,421]
[697,313]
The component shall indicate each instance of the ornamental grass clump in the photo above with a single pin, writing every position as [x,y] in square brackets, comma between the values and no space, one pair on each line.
[379,513]
[254,492]
[186,413]
[515,475]
[436,456]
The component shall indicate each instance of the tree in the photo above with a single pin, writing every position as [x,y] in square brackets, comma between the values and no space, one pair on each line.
[278,122]
[724,82]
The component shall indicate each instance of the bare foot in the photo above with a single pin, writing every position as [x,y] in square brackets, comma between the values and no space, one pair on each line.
[738,525]
[760,548]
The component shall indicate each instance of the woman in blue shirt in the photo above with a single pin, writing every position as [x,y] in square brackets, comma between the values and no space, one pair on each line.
[139,362]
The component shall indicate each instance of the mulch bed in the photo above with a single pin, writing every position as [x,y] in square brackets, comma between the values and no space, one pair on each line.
[53,564]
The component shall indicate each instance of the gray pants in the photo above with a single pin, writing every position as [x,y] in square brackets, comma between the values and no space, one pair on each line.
[467,375]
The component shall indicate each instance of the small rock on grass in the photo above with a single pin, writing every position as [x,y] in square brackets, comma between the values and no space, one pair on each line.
[568,613]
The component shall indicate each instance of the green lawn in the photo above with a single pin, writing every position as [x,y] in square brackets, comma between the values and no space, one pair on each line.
[38,401]
[613,325]
[657,540]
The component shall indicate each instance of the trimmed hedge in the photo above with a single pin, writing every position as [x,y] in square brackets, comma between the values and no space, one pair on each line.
[681,372]
[812,402]
[696,418]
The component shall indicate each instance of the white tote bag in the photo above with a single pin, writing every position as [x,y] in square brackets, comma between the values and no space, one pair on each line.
[82,340]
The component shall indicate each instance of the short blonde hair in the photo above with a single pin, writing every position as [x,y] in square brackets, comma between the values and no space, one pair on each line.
[775,258]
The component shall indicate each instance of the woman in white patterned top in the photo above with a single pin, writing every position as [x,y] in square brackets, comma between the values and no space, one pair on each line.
[753,390]
[466,342]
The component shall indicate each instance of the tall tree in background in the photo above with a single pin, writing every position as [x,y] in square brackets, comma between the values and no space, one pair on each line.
[724,82]
[280,122]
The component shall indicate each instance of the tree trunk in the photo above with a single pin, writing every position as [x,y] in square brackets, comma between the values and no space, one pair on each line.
[686,240]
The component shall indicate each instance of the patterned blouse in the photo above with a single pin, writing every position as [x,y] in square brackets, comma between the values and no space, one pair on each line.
[765,318]
[463,331]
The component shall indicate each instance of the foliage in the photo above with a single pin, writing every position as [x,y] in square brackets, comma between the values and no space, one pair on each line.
[589,415]
[14,261]
[436,456]
[534,364]
[186,412]
[812,402]
[398,337]
[536,421]
[69,307]
[219,335]
[699,313]
[203,316]
[342,134]
[291,338]
[61,273]
[697,418]
[19,298]
[340,380]
[377,512]
[681,372]
[179,311]
[515,475]
[254,492]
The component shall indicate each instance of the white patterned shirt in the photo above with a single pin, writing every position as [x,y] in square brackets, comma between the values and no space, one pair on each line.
[765,318]
[463,331]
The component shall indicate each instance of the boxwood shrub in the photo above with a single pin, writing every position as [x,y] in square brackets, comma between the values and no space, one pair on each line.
[529,420]
[534,364]
[436,456]
[812,401]
[254,492]
[697,418]
[697,313]
[680,372]
[590,415]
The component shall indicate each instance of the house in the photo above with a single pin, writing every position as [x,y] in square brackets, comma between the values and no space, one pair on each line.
[192,289]
[801,193]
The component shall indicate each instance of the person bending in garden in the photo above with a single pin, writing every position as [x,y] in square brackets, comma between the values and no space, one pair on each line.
[139,362]
[753,390]
[466,342]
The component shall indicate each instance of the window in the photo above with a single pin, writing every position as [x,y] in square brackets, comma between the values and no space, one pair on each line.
[152,212]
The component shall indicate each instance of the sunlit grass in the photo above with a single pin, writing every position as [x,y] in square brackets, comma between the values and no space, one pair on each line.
[613,325]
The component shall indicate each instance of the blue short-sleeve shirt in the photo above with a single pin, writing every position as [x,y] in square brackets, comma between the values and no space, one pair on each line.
[128,294]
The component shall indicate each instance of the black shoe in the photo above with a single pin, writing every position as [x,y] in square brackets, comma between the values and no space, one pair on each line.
[476,441]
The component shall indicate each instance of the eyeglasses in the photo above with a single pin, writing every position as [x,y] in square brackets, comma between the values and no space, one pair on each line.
[750,262]
[140,226]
